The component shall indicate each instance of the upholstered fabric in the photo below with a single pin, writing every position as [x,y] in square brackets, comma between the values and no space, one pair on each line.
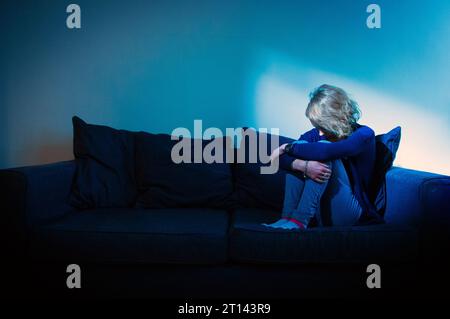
[127,235]
[105,166]
[404,192]
[36,197]
[163,183]
[252,242]
[386,149]
[252,188]
[36,194]
[434,196]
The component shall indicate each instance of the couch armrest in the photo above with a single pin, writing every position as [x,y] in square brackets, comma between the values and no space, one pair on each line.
[405,189]
[35,194]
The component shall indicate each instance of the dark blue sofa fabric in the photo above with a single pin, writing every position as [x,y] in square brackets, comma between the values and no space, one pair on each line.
[386,149]
[34,195]
[251,242]
[31,196]
[163,183]
[128,235]
[252,188]
[435,198]
[38,195]
[405,189]
[105,166]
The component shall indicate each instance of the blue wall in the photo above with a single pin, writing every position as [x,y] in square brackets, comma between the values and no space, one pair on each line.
[157,65]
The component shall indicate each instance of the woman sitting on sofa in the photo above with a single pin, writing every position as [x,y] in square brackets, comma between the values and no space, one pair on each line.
[335,161]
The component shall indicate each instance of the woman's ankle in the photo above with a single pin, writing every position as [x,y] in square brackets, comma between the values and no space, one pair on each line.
[295,221]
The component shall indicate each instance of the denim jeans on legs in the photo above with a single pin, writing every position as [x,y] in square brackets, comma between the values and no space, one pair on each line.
[331,202]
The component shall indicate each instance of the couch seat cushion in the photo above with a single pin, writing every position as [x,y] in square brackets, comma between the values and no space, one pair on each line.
[191,236]
[252,242]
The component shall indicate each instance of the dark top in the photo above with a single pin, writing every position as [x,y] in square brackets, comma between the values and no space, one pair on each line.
[357,152]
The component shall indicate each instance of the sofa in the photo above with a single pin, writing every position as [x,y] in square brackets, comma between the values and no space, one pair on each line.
[166,246]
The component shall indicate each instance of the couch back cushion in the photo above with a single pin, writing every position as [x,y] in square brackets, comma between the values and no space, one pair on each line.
[253,189]
[386,149]
[164,183]
[104,175]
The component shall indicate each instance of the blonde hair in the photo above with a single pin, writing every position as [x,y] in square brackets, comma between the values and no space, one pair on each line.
[332,111]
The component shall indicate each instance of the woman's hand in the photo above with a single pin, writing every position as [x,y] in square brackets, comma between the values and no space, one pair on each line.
[277,152]
[318,172]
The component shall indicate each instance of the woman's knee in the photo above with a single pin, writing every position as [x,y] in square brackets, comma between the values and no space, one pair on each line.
[293,179]
[337,166]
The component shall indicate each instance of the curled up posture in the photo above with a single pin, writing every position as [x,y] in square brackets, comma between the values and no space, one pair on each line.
[329,166]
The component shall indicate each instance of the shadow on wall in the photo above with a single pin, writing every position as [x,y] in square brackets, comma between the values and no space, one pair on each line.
[281,95]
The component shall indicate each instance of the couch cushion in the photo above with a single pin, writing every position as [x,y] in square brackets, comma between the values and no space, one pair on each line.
[254,243]
[104,174]
[252,188]
[190,236]
[163,183]
[386,149]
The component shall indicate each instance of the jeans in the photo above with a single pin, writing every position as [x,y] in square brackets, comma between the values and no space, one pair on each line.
[331,202]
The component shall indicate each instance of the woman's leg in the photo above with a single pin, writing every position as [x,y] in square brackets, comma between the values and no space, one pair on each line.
[309,203]
[292,193]
[339,206]
[293,189]
[331,202]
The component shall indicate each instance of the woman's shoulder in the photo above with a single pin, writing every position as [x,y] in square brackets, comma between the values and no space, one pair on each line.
[364,130]
[311,136]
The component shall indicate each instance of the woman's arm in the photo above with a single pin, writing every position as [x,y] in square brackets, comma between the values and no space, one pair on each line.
[317,171]
[298,165]
[352,145]
[308,136]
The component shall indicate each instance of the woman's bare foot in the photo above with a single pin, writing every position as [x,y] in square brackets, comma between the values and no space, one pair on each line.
[290,225]
[277,224]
